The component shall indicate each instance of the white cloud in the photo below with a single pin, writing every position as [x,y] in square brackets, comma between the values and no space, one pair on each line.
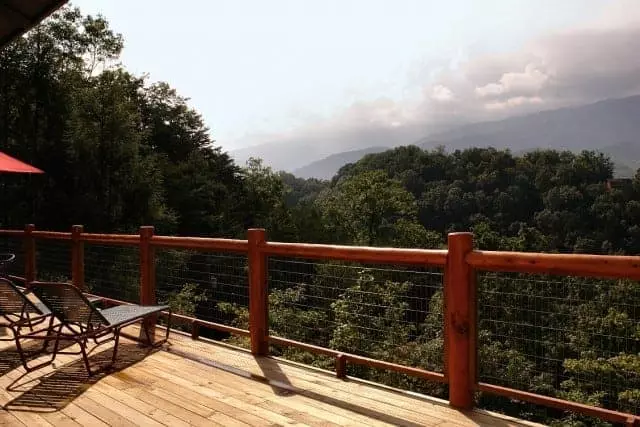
[578,66]
[441,93]
[489,90]
[529,82]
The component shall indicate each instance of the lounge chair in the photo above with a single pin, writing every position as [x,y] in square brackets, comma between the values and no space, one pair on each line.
[17,311]
[81,321]
[6,260]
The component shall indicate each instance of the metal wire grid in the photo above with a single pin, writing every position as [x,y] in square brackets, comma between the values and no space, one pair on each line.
[113,271]
[13,245]
[53,260]
[209,286]
[573,338]
[382,312]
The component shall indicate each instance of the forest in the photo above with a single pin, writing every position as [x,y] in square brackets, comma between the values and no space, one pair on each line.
[120,151]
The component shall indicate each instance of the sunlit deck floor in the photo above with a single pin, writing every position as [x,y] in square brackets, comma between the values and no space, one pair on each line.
[202,384]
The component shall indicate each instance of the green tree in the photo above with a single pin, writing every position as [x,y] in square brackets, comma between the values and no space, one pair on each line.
[365,209]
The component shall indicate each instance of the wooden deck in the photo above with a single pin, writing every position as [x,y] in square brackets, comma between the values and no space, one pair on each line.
[203,384]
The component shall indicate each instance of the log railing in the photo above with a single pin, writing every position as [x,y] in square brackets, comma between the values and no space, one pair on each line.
[460,263]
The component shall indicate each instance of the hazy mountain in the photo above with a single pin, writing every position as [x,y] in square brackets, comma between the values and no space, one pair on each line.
[290,154]
[327,167]
[626,157]
[603,124]
[611,126]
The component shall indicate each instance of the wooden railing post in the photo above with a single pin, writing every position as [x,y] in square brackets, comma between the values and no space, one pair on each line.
[258,303]
[29,254]
[460,321]
[147,280]
[77,257]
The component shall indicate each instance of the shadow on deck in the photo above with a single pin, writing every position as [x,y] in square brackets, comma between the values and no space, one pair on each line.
[201,383]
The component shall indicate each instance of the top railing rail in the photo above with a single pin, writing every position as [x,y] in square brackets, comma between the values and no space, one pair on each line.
[357,253]
[583,265]
[601,266]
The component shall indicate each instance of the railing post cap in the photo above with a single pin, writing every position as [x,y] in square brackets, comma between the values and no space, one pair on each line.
[146,230]
[256,234]
[460,233]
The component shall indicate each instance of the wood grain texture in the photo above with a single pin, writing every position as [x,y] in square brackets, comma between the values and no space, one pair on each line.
[198,383]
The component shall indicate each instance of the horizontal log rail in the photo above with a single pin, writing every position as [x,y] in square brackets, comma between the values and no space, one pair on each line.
[110,239]
[11,233]
[601,266]
[51,235]
[342,358]
[459,262]
[200,243]
[436,258]
[565,405]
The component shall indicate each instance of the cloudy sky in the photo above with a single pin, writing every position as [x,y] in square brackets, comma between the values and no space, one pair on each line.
[264,71]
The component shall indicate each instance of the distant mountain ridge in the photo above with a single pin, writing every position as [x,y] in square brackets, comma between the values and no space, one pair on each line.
[610,126]
[327,167]
[602,124]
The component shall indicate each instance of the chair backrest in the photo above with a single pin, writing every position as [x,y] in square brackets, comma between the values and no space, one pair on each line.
[67,303]
[13,300]
[5,261]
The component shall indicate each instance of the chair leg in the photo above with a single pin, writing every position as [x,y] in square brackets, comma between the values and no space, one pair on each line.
[147,334]
[115,345]
[166,338]
[83,349]
[56,345]
[23,357]
[49,331]
[95,340]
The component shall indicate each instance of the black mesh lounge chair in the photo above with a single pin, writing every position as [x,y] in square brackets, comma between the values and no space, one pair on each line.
[81,321]
[5,261]
[17,311]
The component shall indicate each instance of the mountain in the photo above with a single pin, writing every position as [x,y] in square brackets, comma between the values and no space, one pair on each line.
[606,123]
[327,167]
[626,157]
[292,153]
[611,126]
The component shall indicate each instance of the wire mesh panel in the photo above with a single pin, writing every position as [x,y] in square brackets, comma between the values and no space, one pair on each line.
[573,338]
[13,245]
[113,271]
[53,260]
[209,286]
[388,313]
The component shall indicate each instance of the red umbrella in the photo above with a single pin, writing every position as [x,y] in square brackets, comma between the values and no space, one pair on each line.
[9,164]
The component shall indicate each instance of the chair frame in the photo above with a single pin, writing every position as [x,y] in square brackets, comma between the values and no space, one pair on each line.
[5,260]
[81,333]
[16,322]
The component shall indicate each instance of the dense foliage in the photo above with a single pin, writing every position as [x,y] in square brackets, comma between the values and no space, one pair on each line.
[120,151]
[117,152]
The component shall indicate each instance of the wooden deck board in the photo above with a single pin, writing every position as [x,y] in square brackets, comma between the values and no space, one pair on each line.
[198,383]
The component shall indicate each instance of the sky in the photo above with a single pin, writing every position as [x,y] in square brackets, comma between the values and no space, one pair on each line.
[266,71]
